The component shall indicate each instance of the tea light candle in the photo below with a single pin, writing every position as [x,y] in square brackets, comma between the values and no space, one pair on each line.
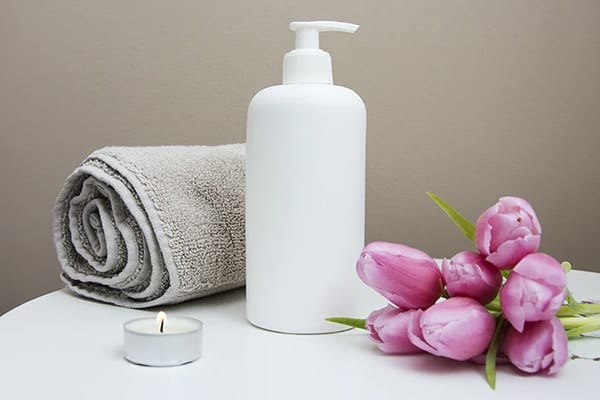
[161,342]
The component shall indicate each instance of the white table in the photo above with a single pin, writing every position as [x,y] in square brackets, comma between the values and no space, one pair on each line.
[60,346]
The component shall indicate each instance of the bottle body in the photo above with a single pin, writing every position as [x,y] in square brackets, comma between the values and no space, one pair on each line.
[305,202]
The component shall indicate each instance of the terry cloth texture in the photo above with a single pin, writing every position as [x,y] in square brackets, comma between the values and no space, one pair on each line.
[144,226]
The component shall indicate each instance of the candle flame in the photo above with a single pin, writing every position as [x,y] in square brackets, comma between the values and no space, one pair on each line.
[161,319]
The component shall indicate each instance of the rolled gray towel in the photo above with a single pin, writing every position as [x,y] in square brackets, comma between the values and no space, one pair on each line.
[143,226]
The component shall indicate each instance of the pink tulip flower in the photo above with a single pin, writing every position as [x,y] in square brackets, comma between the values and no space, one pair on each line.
[458,328]
[407,277]
[534,290]
[508,231]
[388,328]
[468,274]
[541,347]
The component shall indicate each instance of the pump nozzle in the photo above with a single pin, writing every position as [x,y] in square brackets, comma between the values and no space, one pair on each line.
[307,63]
[307,33]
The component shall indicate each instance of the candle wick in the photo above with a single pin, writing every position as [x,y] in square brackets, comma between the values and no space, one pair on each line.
[162,325]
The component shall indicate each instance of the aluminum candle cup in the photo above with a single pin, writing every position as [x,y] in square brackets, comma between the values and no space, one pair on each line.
[159,342]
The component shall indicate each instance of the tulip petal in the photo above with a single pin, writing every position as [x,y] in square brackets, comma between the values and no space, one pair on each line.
[510,296]
[388,328]
[510,202]
[511,252]
[507,231]
[458,328]
[534,291]
[537,301]
[372,319]
[483,229]
[542,268]
[502,227]
[541,347]
[469,274]
[406,282]
[393,331]
[398,348]
[559,346]
[520,231]
[396,248]
[544,286]
[415,333]
[546,361]
[527,349]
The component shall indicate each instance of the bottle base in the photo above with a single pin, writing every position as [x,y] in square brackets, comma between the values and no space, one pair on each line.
[326,331]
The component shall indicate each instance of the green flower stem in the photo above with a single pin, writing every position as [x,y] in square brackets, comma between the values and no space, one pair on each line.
[445,294]
[578,309]
[573,310]
[353,322]
[494,305]
[571,302]
[572,322]
[575,326]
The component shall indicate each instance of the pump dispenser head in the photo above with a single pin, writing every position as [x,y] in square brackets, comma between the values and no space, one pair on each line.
[308,63]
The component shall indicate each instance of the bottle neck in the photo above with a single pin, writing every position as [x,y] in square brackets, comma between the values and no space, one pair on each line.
[307,66]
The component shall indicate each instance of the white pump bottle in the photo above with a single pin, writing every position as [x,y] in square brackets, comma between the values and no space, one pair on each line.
[305,192]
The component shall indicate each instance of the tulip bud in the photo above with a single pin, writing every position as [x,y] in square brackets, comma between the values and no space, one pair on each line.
[458,328]
[388,327]
[407,277]
[534,290]
[508,231]
[468,274]
[542,346]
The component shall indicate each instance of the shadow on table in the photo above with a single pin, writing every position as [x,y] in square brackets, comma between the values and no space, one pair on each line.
[224,298]
[429,363]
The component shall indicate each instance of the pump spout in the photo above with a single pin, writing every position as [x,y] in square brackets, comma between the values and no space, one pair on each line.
[307,33]
[325,26]
[307,63]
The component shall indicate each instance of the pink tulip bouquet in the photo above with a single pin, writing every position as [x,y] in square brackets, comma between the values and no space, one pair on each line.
[505,298]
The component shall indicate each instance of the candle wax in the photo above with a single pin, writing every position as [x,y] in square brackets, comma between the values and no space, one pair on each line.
[173,325]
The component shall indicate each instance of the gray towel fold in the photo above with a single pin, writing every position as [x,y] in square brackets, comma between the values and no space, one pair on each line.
[143,226]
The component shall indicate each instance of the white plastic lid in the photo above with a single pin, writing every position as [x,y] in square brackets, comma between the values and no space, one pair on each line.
[308,63]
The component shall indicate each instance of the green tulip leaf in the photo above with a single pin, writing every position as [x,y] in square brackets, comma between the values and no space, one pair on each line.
[466,226]
[353,322]
[490,357]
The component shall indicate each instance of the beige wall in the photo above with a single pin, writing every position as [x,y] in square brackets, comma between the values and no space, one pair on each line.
[469,99]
